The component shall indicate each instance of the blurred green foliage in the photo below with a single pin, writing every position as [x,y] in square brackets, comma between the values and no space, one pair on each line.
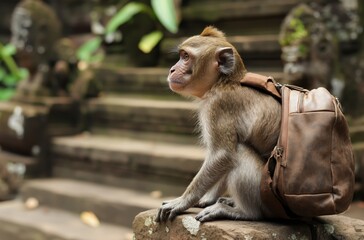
[88,52]
[125,14]
[298,32]
[10,73]
[162,11]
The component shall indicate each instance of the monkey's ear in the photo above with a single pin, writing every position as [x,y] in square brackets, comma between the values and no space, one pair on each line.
[225,59]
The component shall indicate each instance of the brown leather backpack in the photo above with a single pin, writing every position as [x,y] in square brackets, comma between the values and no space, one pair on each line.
[311,169]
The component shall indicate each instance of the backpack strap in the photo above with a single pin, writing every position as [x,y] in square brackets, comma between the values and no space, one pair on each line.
[274,207]
[263,83]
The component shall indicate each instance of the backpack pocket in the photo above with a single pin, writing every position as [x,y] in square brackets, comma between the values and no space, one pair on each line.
[306,177]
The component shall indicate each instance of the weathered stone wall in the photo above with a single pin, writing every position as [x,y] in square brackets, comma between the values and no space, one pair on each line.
[185,227]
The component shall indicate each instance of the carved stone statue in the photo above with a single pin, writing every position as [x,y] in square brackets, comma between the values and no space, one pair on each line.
[308,48]
[50,59]
[319,48]
[55,87]
[35,31]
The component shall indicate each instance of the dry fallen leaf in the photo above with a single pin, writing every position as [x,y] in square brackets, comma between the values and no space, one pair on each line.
[129,236]
[156,194]
[89,218]
[31,203]
[361,204]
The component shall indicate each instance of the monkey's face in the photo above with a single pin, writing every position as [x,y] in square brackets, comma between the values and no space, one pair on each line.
[196,71]
[204,60]
[180,74]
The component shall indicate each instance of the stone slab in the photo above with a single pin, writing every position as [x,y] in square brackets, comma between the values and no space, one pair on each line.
[140,183]
[111,204]
[119,155]
[185,227]
[153,81]
[243,44]
[129,79]
[43,223]
[140,114]
[235,10]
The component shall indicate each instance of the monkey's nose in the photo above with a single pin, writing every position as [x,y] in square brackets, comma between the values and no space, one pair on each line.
[172,70]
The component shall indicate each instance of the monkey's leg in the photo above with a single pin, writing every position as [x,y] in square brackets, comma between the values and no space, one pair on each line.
[244,183]
[244,186]
[227,201]
[220,211]
[212,196]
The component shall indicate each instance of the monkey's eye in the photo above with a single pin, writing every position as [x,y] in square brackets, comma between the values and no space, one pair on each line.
[184,56]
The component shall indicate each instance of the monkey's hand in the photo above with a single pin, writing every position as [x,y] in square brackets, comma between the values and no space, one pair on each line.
[171,209]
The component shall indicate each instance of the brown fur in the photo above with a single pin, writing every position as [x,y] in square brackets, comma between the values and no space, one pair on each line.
[239,128]
[210,31]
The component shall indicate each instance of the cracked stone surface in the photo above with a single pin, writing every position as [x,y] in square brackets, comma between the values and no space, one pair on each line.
[184,227]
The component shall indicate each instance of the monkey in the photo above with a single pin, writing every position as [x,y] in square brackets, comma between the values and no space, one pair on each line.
[239,127]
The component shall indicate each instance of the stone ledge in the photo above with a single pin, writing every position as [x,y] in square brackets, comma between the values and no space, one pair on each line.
[186,227]
[235,10]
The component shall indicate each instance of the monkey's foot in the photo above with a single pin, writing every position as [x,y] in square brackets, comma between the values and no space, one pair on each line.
[219,211]
[205,202]
[227,201]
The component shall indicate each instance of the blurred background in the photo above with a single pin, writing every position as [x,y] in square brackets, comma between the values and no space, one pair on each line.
[90,133]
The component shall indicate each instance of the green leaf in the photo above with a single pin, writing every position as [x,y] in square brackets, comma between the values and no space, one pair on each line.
[86,50]
[96,58]
[10,80]
[149,41]
[125,14]
[22,74]
[2,74]
[8,50]
[6,93]
[166,13]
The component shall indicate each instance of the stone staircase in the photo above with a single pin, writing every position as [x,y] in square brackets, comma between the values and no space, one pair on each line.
[140,146]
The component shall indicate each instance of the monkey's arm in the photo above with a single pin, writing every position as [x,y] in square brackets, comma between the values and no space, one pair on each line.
[214,168]
[218,163]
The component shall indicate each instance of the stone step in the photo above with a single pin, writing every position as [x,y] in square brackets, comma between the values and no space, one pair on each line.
[152,81]
[44,223]
[221,10]
[133,80]
[256,50]
[29,162]
[153,112]
[112,205]
[183,139]
[142,114]
[129,158]
[146,184]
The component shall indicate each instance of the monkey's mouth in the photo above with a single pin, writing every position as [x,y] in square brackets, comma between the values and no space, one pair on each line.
[175,81]
[176,85]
